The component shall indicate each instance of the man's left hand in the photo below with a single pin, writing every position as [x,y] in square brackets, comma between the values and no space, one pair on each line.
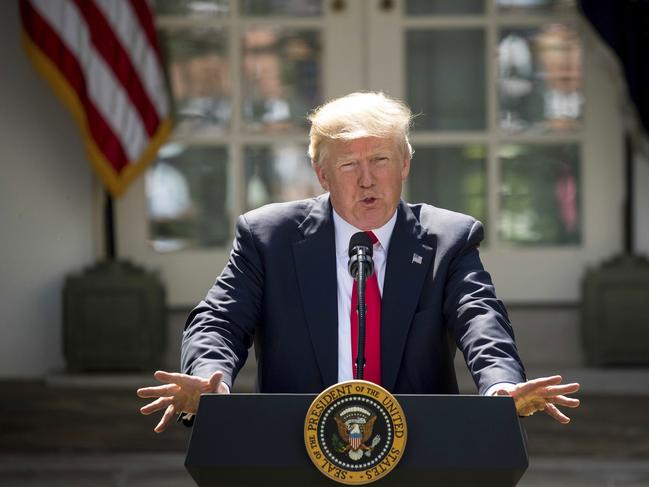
[543,394]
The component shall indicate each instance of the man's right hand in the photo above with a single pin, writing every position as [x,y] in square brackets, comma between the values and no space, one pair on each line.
[179,394]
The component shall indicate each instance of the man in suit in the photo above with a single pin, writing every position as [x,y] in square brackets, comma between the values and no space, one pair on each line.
[286,285]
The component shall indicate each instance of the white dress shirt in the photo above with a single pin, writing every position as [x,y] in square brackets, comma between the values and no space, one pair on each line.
[343,232]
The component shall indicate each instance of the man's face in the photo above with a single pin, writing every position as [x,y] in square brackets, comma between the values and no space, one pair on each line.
[364,178]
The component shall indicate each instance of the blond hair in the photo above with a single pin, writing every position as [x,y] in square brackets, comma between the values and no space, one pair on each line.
[357,115]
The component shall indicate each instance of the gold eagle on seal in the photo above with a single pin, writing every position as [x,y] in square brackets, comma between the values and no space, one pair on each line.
[355,430]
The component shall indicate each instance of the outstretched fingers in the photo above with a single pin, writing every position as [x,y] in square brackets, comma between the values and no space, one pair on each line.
[559,390]
[569,402]
[180,392]
[536,384]
[553,411]
[545,394]
[166,418]
[158,391]
[546,387]
[156,405]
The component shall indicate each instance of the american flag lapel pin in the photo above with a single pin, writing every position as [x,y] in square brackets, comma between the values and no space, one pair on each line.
[416,259]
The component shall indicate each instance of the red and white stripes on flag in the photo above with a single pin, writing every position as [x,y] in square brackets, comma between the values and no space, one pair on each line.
[102,59]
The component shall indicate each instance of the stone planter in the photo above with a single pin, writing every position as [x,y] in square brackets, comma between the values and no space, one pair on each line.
[114,319]
[615,312]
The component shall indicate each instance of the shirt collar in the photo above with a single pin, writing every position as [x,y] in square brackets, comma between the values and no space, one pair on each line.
[343,232]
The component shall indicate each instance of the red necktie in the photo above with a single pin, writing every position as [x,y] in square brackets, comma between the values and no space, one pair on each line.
[372,371]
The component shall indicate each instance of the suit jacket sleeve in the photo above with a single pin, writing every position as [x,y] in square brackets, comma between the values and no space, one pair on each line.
[478,320]
[220,330]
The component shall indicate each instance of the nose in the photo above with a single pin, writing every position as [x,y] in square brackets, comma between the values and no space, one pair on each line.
[365,178]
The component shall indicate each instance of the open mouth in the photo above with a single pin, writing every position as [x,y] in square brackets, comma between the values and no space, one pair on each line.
[368,201]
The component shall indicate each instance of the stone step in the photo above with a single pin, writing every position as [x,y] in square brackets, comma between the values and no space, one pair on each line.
[167,470]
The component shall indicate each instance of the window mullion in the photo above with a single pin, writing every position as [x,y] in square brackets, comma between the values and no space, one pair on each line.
[491,47]
[235,145]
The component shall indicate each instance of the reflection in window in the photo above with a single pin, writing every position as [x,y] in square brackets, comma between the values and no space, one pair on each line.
[278,173]
[199,74]
[540,79]
[293,8]
[192,8]
[540,194]
[446,78]
[523,6]
[186,197]
[444,7]
[281,77]
[450,177]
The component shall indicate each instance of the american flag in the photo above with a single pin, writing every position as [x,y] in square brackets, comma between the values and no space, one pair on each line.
[355,440]
[102,59]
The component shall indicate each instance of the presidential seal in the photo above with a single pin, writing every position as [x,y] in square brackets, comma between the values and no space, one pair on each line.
[355,432]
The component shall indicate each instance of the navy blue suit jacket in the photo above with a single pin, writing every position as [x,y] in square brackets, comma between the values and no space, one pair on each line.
[279,288]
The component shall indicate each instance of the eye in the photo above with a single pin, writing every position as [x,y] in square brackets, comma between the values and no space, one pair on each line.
[347,166]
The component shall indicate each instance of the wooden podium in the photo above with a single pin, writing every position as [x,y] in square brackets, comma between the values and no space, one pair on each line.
[257,440]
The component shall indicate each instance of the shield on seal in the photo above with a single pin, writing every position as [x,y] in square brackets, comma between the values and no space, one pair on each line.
[355,440]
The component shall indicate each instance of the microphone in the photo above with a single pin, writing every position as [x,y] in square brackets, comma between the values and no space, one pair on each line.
[360,254]
[360,267]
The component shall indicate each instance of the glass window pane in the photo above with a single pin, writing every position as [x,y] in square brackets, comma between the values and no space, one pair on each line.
[450,177]
[293,8]
[192,8]
[199,73]
[281,77]
[540,193]
[446,78]
[530,6]
[437,7]
[278,173]
[540,79]
[187,197]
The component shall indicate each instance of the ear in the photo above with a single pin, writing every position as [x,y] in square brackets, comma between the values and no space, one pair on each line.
[405,169]
[322,175]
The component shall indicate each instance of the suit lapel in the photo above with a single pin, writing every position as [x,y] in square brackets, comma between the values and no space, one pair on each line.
[409,259]
[315,264]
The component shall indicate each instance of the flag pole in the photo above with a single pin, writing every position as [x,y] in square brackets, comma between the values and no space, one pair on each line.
[109,227]
[629,216]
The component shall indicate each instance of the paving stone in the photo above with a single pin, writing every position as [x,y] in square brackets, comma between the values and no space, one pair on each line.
[561,480]
[158,479]
[58,479]
[586,472]
[631,480]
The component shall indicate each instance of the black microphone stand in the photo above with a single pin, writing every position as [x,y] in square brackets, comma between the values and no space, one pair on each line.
[361,309]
